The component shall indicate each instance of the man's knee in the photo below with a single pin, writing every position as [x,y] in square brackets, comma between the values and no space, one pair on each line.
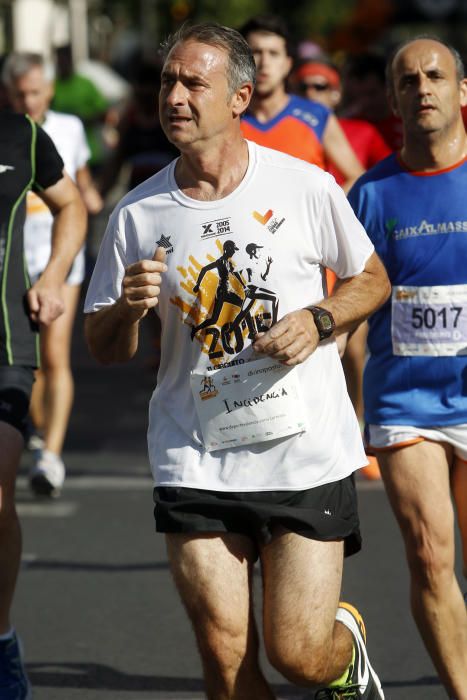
[430,556]
[302,661]
[54,360]
[226,652]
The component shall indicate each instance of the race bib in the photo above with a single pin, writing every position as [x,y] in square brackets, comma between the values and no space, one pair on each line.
[429,321]
[246,404]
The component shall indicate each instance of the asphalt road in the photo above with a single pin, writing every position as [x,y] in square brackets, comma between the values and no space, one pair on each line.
[95,604]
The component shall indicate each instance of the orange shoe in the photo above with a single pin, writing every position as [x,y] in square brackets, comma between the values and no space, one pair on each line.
[371,472]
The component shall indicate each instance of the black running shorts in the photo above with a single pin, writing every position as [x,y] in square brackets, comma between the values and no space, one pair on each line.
[325,513]
[15,394]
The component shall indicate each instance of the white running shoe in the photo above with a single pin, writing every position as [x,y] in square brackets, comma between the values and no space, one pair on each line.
[47,476]
[361,683]
[35,442]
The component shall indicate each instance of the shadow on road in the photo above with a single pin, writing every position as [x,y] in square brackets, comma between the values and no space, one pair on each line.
[100,677]
[96,567]
[424,682]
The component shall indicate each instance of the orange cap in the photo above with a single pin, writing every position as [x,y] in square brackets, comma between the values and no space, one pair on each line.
[322,69]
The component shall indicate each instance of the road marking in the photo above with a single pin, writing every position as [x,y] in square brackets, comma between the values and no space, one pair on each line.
[29,557]
[143,483]
[47,509]
[100,483]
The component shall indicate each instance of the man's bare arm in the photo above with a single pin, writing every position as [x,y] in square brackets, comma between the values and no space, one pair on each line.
[112,333]
[295,336]
[338,150]
[68,234]
[356,298]
[91,196]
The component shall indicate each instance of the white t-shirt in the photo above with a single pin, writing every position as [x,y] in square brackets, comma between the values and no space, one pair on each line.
[67,133]
[302,220]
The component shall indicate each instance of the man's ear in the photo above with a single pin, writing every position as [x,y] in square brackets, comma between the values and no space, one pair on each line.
[241,99]
[463,92]
[393,102]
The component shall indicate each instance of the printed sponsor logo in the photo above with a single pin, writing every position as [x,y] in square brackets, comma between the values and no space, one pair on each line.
[224,365]
[307,117]
[424,228]
[208,390]
[218,227]
[263,218]
[390,225]
[5,168]
[271,222]
[164,242]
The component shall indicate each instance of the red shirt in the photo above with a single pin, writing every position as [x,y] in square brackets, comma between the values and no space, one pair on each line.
[390,129]
[367,143]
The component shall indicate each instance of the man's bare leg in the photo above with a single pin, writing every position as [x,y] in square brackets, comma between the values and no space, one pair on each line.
[459,489]
[213,573]
[52,395]
[302,583]
[10,532]
[416,478]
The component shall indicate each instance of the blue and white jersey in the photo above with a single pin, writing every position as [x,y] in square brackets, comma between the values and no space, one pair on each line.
[416,373]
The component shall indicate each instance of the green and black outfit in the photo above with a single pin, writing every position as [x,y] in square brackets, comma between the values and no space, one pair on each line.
[28,161]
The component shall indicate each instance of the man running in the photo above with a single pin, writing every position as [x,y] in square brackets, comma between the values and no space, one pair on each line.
[246,465]
[29,160]
[276,119]
[413,206]
[29,80]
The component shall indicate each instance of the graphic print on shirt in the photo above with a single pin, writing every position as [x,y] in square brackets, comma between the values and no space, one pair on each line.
[272,224]
[228,302]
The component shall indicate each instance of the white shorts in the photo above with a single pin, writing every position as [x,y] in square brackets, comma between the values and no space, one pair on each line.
[38,246]
[75,276]
[386,437]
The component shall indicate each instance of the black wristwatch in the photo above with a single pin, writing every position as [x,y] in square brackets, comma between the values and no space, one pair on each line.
[324,321]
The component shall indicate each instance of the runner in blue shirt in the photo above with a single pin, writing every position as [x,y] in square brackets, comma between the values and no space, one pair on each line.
[414,209]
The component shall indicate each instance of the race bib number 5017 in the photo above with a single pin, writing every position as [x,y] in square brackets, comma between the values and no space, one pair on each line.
[429,321]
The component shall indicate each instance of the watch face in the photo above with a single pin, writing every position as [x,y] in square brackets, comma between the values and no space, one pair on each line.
[325,322]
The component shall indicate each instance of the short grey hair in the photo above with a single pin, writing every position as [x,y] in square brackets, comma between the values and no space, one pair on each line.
[18,63]
[241,64]
[458,62]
